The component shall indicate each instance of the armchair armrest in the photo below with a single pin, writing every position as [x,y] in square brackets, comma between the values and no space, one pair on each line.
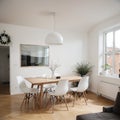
[108,109]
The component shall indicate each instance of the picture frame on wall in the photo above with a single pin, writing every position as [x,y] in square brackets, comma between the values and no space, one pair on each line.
[34,55]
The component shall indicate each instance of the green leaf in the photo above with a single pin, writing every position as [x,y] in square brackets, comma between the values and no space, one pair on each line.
[83,68]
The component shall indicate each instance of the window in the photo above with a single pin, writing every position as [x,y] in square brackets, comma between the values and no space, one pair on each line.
[112,49]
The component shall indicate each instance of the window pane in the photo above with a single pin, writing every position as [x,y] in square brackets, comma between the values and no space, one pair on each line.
[117,40]
[109,42]
[117,63]
[109,59]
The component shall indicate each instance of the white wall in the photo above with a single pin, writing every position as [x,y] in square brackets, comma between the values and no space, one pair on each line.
[67,55]
[93,51]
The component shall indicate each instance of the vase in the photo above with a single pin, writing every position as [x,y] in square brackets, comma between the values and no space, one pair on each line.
[52,76]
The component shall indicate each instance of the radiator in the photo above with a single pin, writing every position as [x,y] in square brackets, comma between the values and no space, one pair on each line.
[108,90]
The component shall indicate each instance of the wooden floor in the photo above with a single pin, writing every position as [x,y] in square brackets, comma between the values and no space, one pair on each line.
[10,109]
[4,88]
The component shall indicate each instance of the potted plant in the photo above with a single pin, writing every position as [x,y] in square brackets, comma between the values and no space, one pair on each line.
[83,69]
[106,69]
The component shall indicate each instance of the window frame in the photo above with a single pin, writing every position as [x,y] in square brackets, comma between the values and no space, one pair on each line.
[105,47]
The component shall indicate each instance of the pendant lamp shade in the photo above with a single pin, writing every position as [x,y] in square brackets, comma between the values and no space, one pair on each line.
[54,38]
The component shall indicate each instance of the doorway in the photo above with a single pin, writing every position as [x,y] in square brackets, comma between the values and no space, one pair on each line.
[4,70]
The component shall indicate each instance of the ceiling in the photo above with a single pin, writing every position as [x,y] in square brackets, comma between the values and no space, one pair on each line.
[74,15]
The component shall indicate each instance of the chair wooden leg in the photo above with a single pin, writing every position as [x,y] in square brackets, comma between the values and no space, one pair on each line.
[45,98]
[84,98]
[37,100]
[86,95]
[74,98]
[61,98]
[53,103]
[35,103]
[70,94]
[27,103]
[65,102]
[28,99]
[51,100]
[23,102]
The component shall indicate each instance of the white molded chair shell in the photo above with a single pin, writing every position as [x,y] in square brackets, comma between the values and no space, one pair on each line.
[21,83]
[61,88]
[82,87]
[47,87]
[83,84]
[23,87]
[70,85]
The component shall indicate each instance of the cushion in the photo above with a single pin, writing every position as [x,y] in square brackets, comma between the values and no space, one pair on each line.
[98,116]
[116,108]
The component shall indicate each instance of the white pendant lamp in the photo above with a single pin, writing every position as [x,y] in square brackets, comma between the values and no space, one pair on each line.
[54,38]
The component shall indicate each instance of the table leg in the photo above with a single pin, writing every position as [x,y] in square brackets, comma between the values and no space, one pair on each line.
[32,86]
[41,94]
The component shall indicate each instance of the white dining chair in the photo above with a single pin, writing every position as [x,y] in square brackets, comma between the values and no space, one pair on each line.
[29,93]
[81,89]
[59,93]
[47,87]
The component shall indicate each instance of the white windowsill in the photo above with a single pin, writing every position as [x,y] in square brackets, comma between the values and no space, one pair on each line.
[110,76]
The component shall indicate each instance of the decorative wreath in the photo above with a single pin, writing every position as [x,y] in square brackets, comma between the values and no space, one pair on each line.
[4,38]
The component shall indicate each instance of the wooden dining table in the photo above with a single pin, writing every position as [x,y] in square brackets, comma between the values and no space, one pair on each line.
[40,81]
